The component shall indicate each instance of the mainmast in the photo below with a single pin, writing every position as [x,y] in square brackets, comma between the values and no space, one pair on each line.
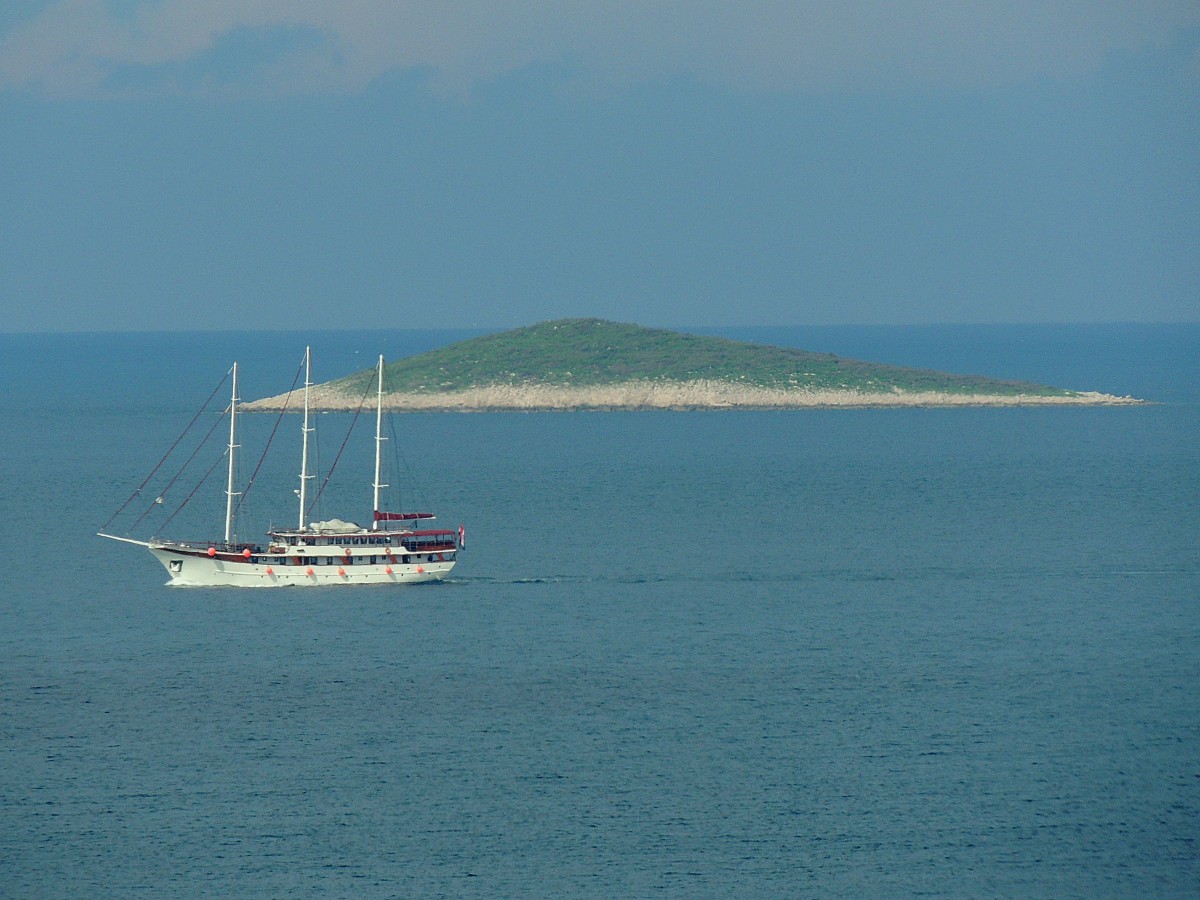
[304,476]
[379,439]
[229,492]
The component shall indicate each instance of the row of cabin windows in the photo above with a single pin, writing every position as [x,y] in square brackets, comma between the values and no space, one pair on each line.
[325,541]
[343,561]
[375,541]
[379,542]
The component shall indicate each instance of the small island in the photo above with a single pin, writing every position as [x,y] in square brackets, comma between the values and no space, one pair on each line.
[593,364]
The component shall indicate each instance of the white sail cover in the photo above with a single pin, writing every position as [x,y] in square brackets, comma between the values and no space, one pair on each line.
[334,526]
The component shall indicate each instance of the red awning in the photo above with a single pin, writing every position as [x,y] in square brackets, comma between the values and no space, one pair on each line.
[400,517]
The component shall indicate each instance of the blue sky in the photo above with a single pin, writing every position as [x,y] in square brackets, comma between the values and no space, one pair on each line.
[293,164]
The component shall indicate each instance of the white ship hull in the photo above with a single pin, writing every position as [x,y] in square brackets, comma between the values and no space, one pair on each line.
[190,570]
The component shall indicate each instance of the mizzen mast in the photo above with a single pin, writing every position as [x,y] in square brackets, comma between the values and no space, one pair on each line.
[379,439]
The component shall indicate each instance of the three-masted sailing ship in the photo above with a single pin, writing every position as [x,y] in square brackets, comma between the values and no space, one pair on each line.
[397,547]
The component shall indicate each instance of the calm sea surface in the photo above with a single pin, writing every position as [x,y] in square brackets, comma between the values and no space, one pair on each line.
[856,653]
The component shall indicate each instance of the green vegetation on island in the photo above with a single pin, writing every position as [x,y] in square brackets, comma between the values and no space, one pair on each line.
[585,353]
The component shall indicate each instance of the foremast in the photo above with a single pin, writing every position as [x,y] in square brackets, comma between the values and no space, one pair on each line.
[304,476]
[229,492]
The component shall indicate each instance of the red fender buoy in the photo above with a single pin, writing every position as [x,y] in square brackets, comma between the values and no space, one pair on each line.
[270,571]
[308,571]
[341,571]
[420,570]
[246,553]
[212,551]
[388,570]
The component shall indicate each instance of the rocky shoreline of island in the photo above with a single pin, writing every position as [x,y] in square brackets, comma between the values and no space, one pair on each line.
[688,395]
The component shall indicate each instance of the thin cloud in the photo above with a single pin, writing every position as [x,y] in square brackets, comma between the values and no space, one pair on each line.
[87,48]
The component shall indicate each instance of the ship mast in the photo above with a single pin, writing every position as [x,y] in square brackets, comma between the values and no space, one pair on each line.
[304,476]
[229,492]
[379,439]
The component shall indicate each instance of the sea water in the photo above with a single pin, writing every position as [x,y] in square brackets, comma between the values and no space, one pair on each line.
[808,653]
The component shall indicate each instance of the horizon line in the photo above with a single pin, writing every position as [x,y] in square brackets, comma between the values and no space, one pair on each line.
[499,328]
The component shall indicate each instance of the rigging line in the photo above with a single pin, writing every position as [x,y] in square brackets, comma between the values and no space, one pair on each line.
[345,440]
[170,484]
[394,462]
[180,507]
[199,412]
[267,448]
[421,501]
